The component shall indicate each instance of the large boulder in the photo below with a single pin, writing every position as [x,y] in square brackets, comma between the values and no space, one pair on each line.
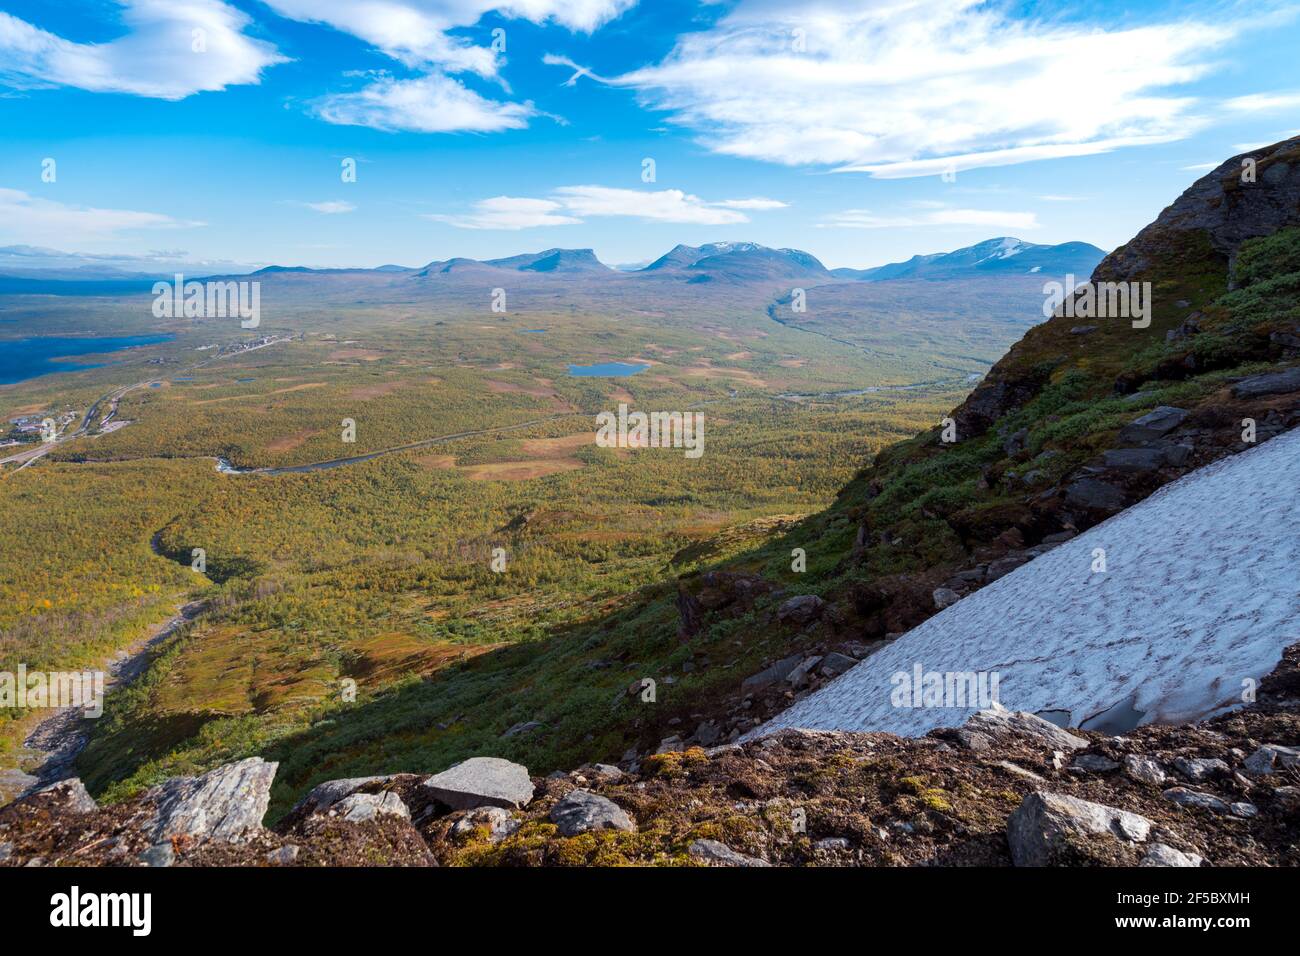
[1270,383]
[482,782]
[581,811]
[999,723]
[1052,828]
[1154,424]
[222,804]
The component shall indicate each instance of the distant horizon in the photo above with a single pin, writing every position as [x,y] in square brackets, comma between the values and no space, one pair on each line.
[7,265]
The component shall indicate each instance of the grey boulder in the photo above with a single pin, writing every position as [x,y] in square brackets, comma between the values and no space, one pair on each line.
[721,854]
[1195,798]
[364,807]
[1045,824]
[482,782]
[222,804]
[325,795]
[1162,854]
[1268,757]
[581,811]
[1000,723]
[1144,769]
[1270,383]
[1197,769]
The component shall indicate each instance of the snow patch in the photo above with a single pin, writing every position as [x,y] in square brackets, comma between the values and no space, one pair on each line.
[1201,596]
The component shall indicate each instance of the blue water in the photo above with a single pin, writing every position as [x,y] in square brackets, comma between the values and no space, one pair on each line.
[533,331]
[606,369]
[21,359]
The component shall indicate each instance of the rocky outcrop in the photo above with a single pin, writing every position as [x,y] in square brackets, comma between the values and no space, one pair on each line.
[1223,207]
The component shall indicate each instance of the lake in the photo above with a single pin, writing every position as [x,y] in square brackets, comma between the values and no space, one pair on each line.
[606,369]
[21,359]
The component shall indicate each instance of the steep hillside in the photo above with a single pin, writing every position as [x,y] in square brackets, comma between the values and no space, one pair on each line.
[1081,419]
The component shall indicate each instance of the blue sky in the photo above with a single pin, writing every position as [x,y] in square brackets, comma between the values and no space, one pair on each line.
[822,126]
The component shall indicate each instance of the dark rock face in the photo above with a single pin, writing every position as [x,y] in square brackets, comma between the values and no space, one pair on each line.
[1223,207]
[1095,495]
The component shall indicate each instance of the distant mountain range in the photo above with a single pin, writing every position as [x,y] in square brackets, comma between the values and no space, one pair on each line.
[726,262]
[1003,254]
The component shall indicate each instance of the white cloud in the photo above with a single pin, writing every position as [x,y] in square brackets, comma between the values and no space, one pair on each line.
[415,32]
[907,88]
[330,207]
[996,218]
[429,104]
[509,212]
[156,58]
[1263,102]
[665,205]
[568,204]
[31,219]
[757,203]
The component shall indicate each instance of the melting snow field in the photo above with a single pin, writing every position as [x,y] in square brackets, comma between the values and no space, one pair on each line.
[1200,596]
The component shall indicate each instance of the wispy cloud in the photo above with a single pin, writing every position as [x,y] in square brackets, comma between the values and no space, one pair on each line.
[1264,102]
[568,205]
[31,219]
[509,212]
[664,205]
[428,104]
[171,50]
[330,207]
[994,218]
[913,88]
[419,36]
